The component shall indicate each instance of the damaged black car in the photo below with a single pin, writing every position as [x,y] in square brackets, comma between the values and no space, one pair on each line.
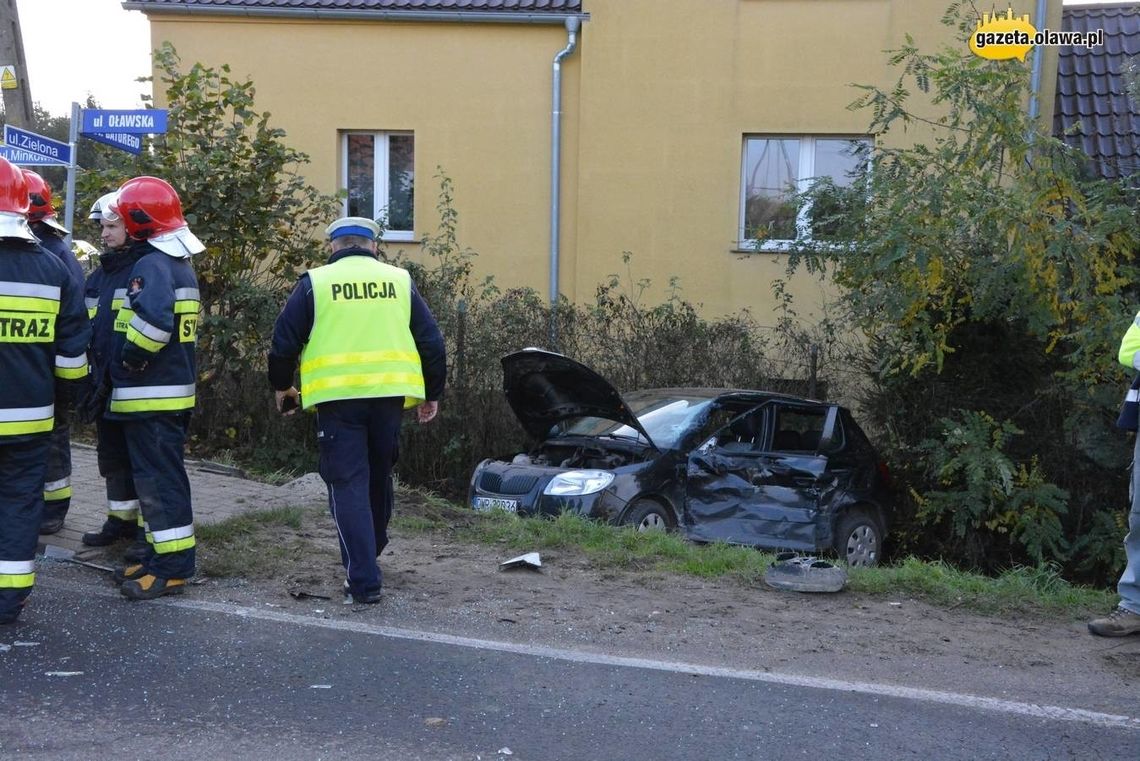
[754,468]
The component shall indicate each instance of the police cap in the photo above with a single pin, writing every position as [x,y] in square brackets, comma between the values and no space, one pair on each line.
[361,226]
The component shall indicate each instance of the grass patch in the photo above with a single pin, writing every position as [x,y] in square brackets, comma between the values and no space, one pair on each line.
[616,547]
[1022,589]
[253,546]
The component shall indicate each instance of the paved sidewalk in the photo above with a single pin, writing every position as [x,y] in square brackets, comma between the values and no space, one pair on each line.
[218,492]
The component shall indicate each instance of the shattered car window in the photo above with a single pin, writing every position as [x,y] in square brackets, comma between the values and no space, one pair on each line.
[798,429]
[666,419]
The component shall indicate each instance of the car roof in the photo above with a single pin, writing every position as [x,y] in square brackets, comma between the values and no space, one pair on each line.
[726,393]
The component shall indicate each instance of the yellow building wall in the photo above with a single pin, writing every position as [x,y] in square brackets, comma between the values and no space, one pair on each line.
[656,101]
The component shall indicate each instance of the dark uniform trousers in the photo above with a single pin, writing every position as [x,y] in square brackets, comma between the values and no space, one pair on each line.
[359,444]
[21,506]
[57,478]
[57,475]
[144,455]
[115,464]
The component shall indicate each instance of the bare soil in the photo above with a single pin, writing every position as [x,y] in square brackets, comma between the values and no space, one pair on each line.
[433,582]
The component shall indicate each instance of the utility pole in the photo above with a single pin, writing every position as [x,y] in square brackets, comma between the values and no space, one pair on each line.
[18,99]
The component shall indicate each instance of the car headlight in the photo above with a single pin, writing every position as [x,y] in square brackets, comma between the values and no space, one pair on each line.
[577,482]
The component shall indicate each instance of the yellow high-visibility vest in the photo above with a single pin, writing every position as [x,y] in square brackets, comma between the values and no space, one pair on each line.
[361,344]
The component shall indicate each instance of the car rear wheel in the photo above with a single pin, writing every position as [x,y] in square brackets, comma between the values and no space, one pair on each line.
[859,537]
[648,515]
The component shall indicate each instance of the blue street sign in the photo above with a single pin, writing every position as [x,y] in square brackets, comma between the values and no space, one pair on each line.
[128,143]
[14,137]
[21,157]
[146,121]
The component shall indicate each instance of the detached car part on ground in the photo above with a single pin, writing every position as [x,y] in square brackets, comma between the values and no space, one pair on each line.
[745,467]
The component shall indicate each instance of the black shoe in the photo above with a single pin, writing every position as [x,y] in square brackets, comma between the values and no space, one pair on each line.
[138,552]
[112,531]
[51,525]
[9,616]
[369,598]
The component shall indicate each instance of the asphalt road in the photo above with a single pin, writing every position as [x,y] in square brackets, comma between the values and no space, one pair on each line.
[92,676]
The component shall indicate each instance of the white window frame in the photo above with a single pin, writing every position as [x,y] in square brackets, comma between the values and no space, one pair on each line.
[805,173]
[380,163]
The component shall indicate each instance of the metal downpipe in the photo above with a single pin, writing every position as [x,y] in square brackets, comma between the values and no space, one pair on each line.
[572,26]
[1038,61]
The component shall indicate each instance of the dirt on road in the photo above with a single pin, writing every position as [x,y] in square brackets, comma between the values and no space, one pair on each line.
[433,582]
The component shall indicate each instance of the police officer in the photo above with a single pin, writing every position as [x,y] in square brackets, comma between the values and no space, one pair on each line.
[51,234]
[151,365]
[43,339]
[369,348]
[105,290]
[1124,620]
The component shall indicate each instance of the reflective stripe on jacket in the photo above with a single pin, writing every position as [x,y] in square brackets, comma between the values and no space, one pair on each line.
[361,345]
[105,292]
[43,336]
[1129,418]
[155,329]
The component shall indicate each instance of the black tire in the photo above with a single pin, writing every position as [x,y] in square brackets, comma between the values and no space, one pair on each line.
[859,537]
[648,515]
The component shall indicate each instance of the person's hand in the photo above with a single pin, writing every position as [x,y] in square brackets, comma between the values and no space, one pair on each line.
[288,400]
[426,412]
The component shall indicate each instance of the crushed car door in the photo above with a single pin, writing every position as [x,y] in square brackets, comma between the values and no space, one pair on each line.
[757,483]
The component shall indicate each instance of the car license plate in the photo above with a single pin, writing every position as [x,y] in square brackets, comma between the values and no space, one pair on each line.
[487,504]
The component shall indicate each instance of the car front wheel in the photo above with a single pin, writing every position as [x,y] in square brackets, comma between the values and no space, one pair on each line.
[859,538]
[647,515]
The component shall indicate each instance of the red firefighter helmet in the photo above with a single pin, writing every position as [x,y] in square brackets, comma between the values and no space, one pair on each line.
[149,207]
[40,207]
[39,194]
[13,189]
[13,202]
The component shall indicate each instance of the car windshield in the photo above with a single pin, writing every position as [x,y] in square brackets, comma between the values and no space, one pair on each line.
[665,418]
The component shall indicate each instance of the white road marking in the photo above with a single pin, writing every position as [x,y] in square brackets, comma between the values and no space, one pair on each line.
[1031,710]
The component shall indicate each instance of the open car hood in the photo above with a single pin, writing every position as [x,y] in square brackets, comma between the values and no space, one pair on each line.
[545,388]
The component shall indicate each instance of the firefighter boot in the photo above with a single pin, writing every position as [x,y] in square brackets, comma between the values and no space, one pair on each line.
[128,572]
[112,531]
[139,550]
[51,524]
[150,587]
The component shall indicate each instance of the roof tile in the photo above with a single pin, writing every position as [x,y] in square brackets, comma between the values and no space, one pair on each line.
[1091,111]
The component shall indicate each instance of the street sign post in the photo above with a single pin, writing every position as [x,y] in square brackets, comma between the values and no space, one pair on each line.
[145,121]
[59,153]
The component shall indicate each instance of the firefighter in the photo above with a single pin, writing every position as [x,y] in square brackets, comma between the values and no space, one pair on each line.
[151,366]
[43,342]
[103,295]
[51,234]
[369,348]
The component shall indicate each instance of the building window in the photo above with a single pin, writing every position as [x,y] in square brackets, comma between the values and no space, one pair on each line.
[777,169]
[379,170]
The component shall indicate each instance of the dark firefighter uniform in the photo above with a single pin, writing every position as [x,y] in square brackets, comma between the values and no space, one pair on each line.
[43,339]
[369,347]
[150,362]
[57,475]
[104,294]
